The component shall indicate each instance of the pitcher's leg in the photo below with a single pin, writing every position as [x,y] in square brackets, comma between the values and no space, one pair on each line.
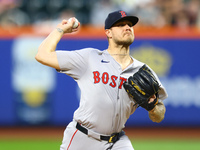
[75,140]
[123,144]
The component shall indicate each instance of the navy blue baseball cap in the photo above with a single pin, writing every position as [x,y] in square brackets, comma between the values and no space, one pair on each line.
[119,15]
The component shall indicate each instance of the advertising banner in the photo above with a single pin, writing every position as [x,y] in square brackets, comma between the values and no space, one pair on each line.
[35,94]
[33,84]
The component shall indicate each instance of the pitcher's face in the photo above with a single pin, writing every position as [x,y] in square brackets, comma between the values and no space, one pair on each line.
[122,33]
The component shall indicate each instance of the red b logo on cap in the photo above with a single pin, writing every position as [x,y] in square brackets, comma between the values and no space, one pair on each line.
[123,13]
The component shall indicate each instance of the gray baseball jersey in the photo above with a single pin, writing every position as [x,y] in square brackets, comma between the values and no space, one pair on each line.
[104,105]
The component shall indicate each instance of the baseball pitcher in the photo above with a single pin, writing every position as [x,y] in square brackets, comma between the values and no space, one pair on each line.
[113,85]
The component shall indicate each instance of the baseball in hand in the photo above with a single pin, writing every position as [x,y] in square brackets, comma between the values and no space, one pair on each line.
[75,25]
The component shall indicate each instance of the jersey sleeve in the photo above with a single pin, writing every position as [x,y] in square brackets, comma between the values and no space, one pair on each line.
[73,63]
[162,92]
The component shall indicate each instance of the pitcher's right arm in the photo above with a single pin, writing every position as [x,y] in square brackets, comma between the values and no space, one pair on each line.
[46,54]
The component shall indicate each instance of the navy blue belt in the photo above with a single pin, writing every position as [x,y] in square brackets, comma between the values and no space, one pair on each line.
[111,139]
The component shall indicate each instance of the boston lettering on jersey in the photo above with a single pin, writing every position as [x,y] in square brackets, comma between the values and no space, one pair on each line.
[108,79]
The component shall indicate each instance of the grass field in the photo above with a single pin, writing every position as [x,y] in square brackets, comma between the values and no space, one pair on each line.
[164,144]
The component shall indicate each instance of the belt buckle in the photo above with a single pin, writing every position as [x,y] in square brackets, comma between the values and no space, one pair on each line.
[113,138]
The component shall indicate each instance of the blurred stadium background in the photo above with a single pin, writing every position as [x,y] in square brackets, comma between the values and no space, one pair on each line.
[38,99]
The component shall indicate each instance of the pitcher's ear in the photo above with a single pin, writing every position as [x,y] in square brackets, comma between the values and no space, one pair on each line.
[108,33]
